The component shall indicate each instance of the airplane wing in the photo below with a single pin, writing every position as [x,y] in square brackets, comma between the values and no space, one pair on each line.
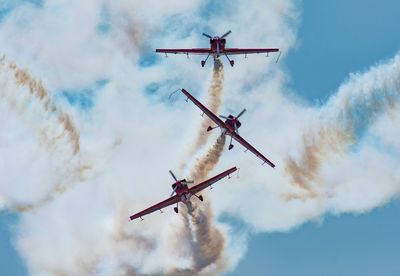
[238,138]
[243,51]
[211,181]
[192,51]
[158,206]
[211,115]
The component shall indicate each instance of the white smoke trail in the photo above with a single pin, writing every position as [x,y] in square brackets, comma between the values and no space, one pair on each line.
[206,240]
[56,133]
[206,164]
[357,105]
[214,103]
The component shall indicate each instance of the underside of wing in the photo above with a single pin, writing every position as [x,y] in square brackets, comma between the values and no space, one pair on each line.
[211,181]
[193,51]
[211,115]
[156,207]
[244,143]
[244,51]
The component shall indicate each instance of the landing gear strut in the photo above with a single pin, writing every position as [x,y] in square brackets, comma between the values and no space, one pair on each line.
[230,144]
[176,208]
[232,62]
[211,128]
[203,62]
[200,197]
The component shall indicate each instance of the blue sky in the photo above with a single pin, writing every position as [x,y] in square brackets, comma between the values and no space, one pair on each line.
[335,39]
[346,245]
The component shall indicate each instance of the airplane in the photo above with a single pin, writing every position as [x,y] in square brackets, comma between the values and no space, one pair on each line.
[229,127]
[182,193]
[217,49]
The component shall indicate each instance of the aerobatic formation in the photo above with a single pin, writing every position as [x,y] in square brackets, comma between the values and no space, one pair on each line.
[230,127]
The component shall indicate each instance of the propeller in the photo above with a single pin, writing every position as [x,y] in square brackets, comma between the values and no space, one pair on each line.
[173,191]
[223,117]
[207,35]
[226,34]
[236,129]
[241,113]
[176,181]
[173,176]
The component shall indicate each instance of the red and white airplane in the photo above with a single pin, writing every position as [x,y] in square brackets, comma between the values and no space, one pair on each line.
[182,193]
[217,49]
[229,127]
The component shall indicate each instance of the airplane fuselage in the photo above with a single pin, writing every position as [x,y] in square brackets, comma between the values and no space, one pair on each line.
[231,124]
[182,191]
[217,45]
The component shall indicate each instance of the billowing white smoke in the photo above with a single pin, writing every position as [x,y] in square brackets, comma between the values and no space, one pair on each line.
[199,230]
[47,140]
[345,120]
[215,94]
[131,137]
[335,157]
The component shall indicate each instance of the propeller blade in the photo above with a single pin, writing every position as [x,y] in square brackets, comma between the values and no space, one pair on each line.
[241,113]
[189,182]
[223,117]
[226,34]
[206,35]
[173,176]
[173,191]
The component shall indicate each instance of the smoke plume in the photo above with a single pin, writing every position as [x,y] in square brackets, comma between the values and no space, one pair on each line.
[55,130]
[206,164]
[206,240]
[214,103]
[345,119]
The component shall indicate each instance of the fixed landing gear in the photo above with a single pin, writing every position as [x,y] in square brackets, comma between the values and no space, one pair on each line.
[232,62]
[176,208]
[211,128]
[203,62]
[230,144]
